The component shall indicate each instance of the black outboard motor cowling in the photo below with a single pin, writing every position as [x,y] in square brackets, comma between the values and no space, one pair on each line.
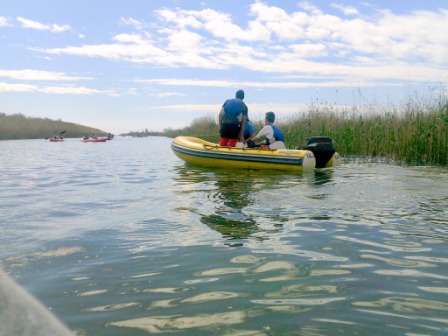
[322,148]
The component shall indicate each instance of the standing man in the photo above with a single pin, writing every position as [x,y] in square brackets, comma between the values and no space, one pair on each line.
[232,120]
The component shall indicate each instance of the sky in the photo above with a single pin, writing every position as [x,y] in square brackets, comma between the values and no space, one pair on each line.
[125,66]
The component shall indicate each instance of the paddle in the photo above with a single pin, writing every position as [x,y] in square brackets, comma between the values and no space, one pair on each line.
[60,133]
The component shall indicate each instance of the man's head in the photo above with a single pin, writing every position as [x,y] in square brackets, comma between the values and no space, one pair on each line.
[239,94]
[270,117]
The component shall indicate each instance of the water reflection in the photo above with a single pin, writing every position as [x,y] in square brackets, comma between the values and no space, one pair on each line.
[239,201]
[229,219]
[319,179]
[227,194]
[323,176]
[230,228]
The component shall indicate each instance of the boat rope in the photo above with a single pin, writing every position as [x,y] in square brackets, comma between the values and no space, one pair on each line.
[210,147]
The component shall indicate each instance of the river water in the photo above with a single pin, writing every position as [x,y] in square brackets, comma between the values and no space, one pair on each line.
[124,238]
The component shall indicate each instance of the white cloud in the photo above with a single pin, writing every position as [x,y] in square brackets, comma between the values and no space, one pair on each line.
[303,42]
[6,87]
[76,91]
[189,107]
[217,24]
[27,23]
[184,18]
[4,22]
[277,21]
[257,111]
[261,84]
[184,41]
[129,48]
[132,22]
[309,7]
[32,24]
[308,50]
[59,29]
[140,49]
[29,74]
[346,10]
[168,94]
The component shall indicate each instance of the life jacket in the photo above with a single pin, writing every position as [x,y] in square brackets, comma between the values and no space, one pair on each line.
[248,130]
[278,135]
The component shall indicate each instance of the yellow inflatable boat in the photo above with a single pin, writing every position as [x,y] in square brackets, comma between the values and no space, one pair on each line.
[204,153]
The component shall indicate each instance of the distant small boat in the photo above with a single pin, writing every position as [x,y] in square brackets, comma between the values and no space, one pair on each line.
[95,140]
[56,137]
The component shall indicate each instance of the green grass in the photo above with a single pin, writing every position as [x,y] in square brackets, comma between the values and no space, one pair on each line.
[416,134]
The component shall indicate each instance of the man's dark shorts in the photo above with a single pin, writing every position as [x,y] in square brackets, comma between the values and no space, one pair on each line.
[230,130]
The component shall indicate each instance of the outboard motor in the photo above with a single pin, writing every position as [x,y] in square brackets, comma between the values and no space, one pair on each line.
[322,148]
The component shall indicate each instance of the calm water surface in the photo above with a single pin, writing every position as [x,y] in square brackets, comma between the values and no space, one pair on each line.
[123,238]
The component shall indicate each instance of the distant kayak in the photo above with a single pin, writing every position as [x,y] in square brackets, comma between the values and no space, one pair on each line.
[56,137]
[95,140]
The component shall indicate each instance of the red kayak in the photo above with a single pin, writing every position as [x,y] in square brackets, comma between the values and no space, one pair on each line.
[95,140]
[56,139]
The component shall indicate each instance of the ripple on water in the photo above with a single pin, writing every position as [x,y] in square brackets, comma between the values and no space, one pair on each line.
[406,304]
[158,324]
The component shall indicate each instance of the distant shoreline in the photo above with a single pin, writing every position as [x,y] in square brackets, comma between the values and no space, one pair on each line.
[21,127]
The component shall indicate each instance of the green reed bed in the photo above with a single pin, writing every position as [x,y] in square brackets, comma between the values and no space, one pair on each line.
[204,127]
[414,135]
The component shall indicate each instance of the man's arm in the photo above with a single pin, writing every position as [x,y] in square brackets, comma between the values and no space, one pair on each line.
[221,115]
[243,127]
[263,132]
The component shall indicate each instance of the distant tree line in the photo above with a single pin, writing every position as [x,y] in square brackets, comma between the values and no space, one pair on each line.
[144,133]
[18,126]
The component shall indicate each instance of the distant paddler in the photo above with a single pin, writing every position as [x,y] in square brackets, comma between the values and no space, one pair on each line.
[56,137]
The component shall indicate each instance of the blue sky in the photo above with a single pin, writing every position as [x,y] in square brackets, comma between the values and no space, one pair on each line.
[140,64]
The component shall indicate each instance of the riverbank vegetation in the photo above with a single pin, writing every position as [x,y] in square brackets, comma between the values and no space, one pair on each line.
[142,134]
[416,134]
[18,126]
